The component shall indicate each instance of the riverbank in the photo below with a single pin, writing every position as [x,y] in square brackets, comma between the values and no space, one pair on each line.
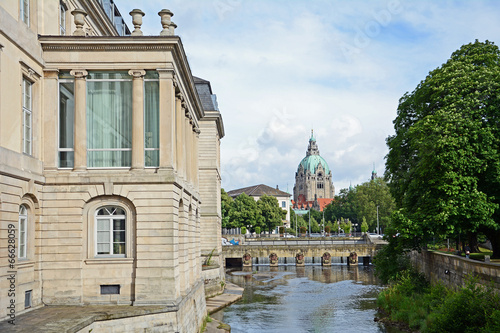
[232,293]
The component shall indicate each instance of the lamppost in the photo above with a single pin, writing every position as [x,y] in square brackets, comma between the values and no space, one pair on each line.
[378,228]
[309,222]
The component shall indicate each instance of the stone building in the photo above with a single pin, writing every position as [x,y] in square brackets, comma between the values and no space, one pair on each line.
[313,180]
[106,151]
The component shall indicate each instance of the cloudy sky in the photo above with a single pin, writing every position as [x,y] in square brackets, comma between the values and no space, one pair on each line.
[281,68]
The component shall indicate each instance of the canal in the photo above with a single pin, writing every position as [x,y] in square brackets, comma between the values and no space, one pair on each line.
[313,298]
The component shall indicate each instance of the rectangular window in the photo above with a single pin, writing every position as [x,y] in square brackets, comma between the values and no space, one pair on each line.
[23,220]
[283,204]
[27,117]
[111,289]
[25,11]
[110,236]
[151,120]
[28,298]
[109,120]
[66,121]
[62,19]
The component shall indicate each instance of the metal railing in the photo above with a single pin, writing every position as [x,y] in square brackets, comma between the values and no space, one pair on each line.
[286,242]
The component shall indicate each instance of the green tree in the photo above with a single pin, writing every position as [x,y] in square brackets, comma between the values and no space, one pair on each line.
[271,213]
[244,212]
[444,158]
[370,195]
[226,202]
[344,206]
[364,225]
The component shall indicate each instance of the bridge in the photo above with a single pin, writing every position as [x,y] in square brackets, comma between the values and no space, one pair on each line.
[297,250]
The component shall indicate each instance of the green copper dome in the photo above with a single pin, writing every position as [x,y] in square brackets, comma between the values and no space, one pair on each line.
[311,163]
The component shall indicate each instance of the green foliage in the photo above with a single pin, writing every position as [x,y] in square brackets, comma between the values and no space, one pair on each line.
[244,211]
[271,213]
[226,202]
[371,194]
[257,230]
[390,260]
[303,230]
[443,162]
[410,299]
[364,225]
[243,230]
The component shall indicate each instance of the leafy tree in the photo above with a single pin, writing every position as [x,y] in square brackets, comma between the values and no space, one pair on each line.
[371,194]
[344,206]
[226,202]
[244,211]
[364,225]
[271,213]
[444,158]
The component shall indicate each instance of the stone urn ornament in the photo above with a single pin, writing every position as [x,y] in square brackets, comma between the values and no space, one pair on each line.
[299,259]
[166,16]
[79,18]
[137,15]
[353,258]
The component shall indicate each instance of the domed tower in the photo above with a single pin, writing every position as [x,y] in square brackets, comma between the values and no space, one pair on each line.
[313,179]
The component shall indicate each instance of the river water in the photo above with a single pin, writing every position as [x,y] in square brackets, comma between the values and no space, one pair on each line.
[313,298]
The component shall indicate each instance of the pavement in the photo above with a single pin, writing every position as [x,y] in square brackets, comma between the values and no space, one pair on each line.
[232,293]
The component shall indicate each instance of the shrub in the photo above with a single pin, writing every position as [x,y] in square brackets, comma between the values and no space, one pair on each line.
[243,230]
[257,230]
[303,230]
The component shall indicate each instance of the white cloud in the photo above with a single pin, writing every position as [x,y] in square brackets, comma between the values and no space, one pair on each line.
[280,68]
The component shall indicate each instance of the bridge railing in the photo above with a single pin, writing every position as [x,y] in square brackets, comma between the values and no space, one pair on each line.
[285,242]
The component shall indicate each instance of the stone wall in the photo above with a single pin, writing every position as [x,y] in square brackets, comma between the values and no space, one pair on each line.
[453,270]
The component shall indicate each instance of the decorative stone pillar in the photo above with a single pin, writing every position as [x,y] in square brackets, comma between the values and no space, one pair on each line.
[80,125]
[167,118]
[137,118]
[137,15]
[326,259]
[273,260]
[50,119]
[180,114]
[247,260]
[166,16]
[79,19]
[299,260]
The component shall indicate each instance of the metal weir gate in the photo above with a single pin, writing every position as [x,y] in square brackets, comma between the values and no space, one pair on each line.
[300,252]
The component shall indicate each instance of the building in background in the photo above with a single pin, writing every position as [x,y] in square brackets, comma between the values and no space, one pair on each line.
[106,151]
[313,180]
[257,191]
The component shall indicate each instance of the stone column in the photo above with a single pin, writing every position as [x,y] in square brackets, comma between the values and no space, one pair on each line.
[180,114]
[167,119]
[80,126]
[187,152]
[50,120]
[137,118]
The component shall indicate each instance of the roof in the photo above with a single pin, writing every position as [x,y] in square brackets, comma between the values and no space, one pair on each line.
[258,191]
[207,98]
[312,162]
[323,202]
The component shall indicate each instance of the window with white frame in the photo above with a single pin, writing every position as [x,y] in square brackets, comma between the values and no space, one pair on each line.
[27,117]
[66,120]
[62,18]
[24,12]
[23,225]
[110,228]
[109,119]
[283,204]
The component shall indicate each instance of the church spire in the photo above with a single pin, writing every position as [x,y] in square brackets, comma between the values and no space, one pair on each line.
[312,149]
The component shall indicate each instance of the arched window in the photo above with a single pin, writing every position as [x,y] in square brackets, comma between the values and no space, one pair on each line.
[110,228]
[23,227]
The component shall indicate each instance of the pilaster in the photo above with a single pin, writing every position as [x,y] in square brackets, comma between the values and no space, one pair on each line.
[80,125]
[137,118]
[167,118]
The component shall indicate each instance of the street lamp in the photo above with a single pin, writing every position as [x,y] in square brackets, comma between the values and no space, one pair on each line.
[378,228]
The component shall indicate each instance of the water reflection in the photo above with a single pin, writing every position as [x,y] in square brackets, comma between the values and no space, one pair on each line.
[290,299]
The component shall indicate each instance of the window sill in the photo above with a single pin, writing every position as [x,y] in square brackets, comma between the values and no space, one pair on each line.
[106,261]
[25,263]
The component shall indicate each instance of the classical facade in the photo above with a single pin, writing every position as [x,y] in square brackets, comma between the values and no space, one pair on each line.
[313,180]
[257,191]
[106,152]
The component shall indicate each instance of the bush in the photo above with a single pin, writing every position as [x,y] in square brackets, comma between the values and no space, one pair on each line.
[303,230]
[257,230]
[243,230]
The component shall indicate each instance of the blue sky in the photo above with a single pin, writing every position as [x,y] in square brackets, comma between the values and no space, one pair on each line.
[281,68]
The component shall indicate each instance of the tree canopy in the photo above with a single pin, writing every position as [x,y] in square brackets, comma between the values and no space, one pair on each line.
[444,158]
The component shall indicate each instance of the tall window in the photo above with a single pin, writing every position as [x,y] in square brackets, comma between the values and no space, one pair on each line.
[319,185]
[109,119]
[62,18]
[66,120]
[23,224]
[283,204]
[110,231]
[25,11]
[151,120]
[27,117]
